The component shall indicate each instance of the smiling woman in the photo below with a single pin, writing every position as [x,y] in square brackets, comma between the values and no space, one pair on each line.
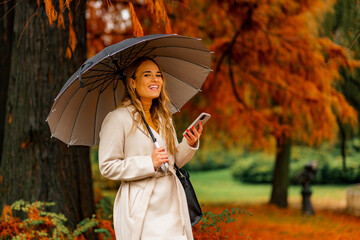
[149,81]
[150,203]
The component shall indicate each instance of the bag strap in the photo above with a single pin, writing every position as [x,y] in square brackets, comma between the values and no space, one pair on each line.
[148,128]
[177,168]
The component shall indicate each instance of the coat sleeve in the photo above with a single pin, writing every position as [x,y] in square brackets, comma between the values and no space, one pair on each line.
[185,152]
[112,163]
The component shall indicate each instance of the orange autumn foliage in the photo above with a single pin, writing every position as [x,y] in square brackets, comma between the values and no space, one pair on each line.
[274,76]
[138,31]
[113,21]
[37,223]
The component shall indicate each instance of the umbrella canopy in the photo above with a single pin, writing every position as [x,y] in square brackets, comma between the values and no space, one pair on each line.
[96,88]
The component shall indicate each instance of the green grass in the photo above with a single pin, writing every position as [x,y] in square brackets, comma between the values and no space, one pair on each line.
[218,186]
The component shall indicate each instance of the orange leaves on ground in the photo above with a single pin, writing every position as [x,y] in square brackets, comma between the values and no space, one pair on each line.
[270,222]
[138,31]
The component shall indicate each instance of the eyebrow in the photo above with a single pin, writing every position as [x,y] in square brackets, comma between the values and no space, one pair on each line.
[150,72]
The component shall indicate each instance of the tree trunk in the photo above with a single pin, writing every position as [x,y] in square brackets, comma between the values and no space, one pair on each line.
[342,143]
[281,173]
[6,28]
[34,166]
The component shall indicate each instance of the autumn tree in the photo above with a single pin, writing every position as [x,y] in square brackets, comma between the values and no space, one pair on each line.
[274,81]
[48,45]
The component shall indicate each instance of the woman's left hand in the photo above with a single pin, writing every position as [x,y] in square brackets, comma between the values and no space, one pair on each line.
[193,136]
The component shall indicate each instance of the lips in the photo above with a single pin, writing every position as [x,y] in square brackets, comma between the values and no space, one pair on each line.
[154,87]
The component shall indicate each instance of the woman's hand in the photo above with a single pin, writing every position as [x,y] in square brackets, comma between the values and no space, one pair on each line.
[159,156]
[193,136]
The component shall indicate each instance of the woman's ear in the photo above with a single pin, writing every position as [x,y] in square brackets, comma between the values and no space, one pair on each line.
[132,83]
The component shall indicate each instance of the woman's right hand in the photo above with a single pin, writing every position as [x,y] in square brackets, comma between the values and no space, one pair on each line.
[159,156]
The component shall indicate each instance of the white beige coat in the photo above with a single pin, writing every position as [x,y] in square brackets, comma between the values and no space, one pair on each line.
[149,204]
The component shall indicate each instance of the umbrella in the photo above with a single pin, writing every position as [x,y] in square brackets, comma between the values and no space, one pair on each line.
[96,88]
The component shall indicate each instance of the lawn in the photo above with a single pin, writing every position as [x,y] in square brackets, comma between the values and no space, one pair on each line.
[219,187]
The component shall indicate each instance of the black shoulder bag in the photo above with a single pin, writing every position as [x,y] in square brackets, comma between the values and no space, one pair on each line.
[192,202]
[184,177]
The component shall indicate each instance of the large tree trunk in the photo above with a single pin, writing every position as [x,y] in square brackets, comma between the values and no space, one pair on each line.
[281,173]
[6,28]
[34,166]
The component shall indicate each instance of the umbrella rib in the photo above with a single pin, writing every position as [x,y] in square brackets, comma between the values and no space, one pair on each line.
[101,75]
[128,56]
[107,66]
[90,89]
[99,79]
[96,109]
[114,90]
[144,45]
[97,70]
[177,109]
[57,124]
[103,89]
[165,56]
[198,89]
[77,114]
[115,83]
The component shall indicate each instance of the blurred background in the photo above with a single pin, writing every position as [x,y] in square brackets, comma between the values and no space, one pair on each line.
[284,92]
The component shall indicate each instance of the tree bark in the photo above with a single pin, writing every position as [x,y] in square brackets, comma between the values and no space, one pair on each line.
[281,173]
[6,28]
[35,167]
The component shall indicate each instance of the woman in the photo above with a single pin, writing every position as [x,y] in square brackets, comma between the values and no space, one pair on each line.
[150,203]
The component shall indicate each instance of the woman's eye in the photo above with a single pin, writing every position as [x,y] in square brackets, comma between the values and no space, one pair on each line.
[147,75]
[158,75]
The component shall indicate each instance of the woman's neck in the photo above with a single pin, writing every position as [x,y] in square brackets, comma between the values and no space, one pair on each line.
[146,104]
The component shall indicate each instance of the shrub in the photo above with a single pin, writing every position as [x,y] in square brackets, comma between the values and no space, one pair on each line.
[208,159]
[259,167]
[38,223]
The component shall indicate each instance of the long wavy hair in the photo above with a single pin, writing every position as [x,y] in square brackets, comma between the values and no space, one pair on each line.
[159,110]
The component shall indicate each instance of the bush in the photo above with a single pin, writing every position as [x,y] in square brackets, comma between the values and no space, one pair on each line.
[39,223]
[259,167]
[208,159]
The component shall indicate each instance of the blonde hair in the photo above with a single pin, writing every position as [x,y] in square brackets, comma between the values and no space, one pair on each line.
[159,109]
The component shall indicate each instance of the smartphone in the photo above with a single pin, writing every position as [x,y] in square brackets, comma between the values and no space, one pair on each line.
[203,117]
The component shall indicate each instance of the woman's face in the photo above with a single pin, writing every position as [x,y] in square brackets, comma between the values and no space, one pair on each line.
[148,80]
